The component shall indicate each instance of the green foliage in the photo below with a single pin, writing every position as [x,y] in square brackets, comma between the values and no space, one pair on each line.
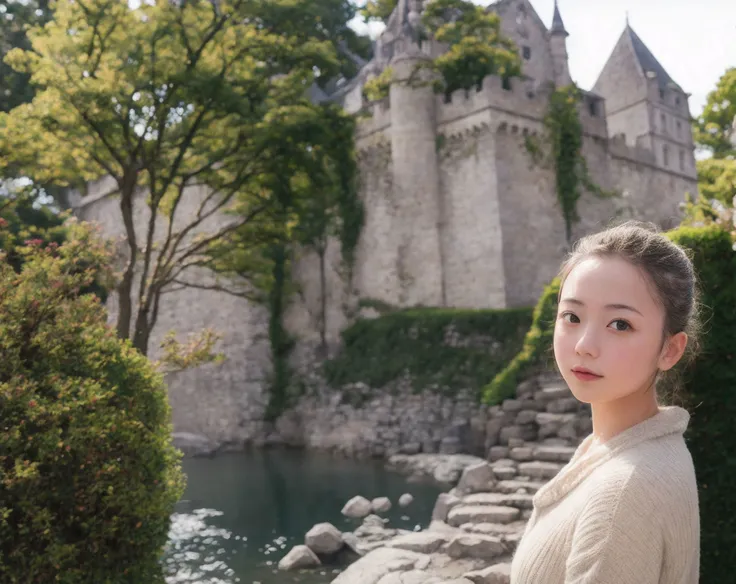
[713,129]
[16,18]
[476,46]
[165,95]
[449,349]
[717,179]
[710,398]
[562,148]
[88,475]
[535,353]
[378,88]
[378,9]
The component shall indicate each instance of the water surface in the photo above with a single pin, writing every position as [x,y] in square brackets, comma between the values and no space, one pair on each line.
[242,512]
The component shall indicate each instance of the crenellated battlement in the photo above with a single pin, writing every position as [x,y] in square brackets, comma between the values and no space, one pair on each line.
[618,147]
[377,118]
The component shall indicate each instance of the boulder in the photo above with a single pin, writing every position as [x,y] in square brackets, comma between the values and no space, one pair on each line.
[300,556]
[445,502]
[324,539]
[496,574]
[375,565]
[405,500]
[357,507]
[482,514]
[476,478]
[425,542]
[482,547]
[381,505]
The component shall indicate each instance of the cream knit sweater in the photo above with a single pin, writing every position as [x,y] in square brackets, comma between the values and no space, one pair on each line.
[624,512]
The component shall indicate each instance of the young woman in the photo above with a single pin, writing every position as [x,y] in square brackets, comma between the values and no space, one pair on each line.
[624,510]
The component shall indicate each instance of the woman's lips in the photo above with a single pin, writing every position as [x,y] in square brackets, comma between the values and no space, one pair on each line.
[585,374]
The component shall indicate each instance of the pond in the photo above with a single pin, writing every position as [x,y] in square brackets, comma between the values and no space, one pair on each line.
[242,512]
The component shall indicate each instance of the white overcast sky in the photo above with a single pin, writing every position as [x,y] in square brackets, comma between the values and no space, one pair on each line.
[695,40]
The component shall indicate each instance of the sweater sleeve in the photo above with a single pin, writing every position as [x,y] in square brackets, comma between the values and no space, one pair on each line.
[617,539]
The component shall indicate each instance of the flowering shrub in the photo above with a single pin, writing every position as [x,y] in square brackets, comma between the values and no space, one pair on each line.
[88,475]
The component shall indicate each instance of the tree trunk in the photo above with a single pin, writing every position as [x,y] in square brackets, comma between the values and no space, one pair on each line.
[125,307]
[323,301]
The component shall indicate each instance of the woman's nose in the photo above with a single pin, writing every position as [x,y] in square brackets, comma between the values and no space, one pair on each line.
[587,344]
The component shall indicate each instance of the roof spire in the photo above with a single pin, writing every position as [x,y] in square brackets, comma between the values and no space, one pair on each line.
[627,19]
[558,26]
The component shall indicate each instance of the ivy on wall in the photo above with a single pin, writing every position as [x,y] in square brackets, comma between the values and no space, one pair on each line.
[442,349]
[562,148]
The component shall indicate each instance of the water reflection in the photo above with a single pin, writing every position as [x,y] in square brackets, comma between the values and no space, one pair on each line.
[241,513]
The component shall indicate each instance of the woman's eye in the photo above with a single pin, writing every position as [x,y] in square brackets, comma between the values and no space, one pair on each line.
[621,325]
[570,317]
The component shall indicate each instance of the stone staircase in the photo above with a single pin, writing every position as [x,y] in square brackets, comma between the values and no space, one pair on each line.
[477,525]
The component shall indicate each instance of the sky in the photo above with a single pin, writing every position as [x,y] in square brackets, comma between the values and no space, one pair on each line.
[694,40]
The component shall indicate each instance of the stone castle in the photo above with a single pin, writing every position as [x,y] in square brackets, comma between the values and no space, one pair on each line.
[457,213]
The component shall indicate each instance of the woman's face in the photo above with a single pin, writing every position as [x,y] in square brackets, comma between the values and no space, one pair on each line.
[608,333]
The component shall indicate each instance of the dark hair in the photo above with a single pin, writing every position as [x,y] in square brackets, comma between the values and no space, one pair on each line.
[669,271]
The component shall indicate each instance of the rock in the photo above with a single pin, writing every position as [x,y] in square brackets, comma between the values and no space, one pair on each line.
[351,540]
[504,473]
[515,442]
[381,505]
[405,500]
[540,470]
[441,527]
[300,556]
[324,539]
[526,417]
[357,507]
[498,452]
[447,473]
[556,392]
[554,453]
[509,432]
[445,502]
[520,501]
[568,431]
[523,453]
[411,448]
[374,521]
[513,486]
[564,405]
[193,445]
[482,514]
[450,445]
[425,542]
[496,574]
[476,478]
[511,405]
[526,387]
[482,547]
[375,565]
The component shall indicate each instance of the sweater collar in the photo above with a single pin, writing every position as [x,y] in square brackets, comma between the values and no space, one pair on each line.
[669,420]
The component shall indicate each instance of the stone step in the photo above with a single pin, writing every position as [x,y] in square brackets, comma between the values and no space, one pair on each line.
[540,469]
[482,514]
[513,486]
[553,453]
[496,574]
[499,529]
[520,501]
[544,418]
[481,547]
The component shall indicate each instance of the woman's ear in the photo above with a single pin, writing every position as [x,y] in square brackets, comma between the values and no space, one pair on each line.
[672,351]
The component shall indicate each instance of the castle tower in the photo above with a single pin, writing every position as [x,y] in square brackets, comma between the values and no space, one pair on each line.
[646,105]
[558,47]
[416,185]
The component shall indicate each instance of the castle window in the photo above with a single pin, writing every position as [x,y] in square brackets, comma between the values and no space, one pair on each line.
[682,160]
[506,83]
[679,128]
[593,108]
[665,155]
[661,94]
[677,100]
[527,52]
[663,120]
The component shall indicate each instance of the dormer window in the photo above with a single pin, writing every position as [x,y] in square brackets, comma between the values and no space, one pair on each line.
[526,52]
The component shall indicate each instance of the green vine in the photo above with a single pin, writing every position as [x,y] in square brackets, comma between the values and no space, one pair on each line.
[564,139]
[378,88]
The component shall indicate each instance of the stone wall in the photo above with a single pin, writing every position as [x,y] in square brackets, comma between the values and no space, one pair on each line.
[222,402]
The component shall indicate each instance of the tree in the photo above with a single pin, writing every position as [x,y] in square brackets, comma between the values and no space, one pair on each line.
[714,127]
[15,17]
[168,97]
[378,9]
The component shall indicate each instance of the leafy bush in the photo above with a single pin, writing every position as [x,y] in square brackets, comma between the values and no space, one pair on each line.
[536,352]
[88,475]
[448,348]
[709,396]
